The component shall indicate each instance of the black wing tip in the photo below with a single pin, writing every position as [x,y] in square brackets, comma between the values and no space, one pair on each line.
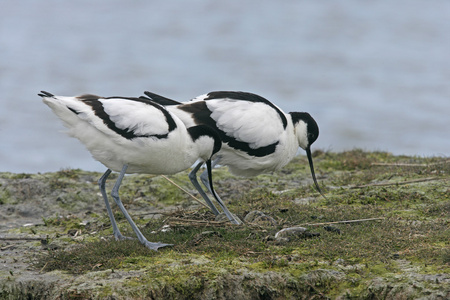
[45,94]
[159,99]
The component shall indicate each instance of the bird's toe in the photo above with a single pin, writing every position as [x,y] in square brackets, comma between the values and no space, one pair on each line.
[156,246]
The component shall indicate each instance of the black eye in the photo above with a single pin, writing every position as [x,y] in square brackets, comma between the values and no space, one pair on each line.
[311,137]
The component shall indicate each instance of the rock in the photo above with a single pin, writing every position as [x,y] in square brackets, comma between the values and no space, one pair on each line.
[265,221]
[251,216]
[287,234]
[332,229]
[259,218]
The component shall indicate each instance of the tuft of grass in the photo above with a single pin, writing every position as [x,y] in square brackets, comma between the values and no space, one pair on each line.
[98,255]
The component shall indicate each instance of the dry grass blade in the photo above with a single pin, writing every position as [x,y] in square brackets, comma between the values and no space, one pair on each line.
[184,190]
[410,165]
[19,238]
[196,223]
[398,183]
[343,222]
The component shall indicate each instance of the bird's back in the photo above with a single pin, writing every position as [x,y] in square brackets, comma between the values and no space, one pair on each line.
[131,131]
[257,136]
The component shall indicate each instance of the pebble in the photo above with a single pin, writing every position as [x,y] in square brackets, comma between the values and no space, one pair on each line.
[259,218]
[332,229]
[287,234]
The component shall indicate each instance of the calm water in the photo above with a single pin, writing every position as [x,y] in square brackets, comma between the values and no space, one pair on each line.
[374,74]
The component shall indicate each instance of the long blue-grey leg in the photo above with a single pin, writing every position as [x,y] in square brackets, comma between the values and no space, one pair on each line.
[211,189]
[140,236]
[193,178]
[101,184]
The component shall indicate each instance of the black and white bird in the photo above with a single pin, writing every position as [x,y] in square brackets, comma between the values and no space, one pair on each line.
[257,136]
[134,135]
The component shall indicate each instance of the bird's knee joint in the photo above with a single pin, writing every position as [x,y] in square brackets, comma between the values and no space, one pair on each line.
[192,176]
[115,193]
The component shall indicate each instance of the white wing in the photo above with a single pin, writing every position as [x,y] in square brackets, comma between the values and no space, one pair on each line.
[254,123]
[115,117]
[138,118]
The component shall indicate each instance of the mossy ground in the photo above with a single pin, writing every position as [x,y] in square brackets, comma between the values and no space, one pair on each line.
[409,196]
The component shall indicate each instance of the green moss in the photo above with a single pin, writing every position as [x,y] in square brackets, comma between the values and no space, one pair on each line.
[68,222]
[5,195]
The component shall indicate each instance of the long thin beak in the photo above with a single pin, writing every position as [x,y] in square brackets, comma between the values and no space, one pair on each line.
[311,166]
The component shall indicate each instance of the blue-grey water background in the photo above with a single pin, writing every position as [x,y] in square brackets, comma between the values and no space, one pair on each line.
[374,74]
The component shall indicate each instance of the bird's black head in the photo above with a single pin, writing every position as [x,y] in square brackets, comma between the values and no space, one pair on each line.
[307,132]
[306,128]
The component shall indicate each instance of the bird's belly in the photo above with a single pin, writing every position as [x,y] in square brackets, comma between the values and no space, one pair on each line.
[142,155]
[150,160]
[156,162]
[242,164]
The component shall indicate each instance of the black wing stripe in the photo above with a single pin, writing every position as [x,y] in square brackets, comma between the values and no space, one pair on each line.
[169,119]
[247,97]
[73,110]
[202,115]
[99,111]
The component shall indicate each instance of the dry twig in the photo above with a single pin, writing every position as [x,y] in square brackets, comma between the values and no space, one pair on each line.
[397,183]
[184,190]
[191,222]
[343,222]
[410,165]
[18,238]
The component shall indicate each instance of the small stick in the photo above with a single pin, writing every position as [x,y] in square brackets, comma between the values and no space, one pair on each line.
[43,267]
[164,213]
[197,221]
[410,165]
[16,238]
[172,223]
[343,222]
[195,198]
[397,183]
